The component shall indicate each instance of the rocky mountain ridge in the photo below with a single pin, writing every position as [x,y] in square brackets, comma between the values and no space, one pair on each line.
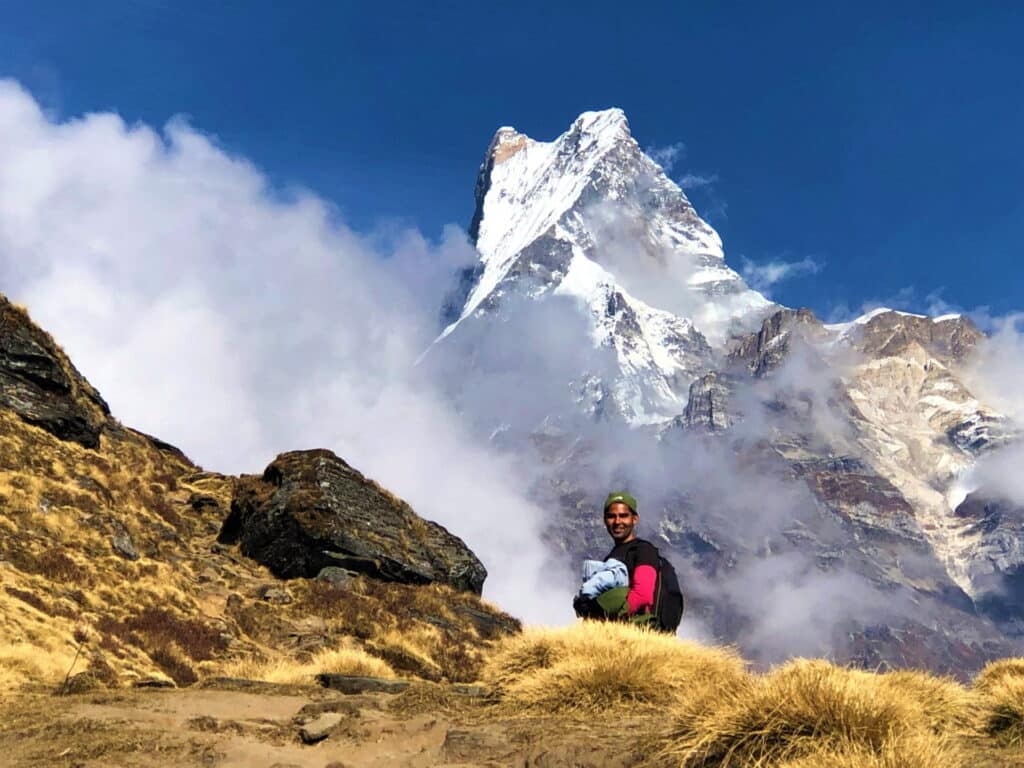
[117,559]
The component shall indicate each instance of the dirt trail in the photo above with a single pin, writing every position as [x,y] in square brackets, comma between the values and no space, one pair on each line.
[426,726]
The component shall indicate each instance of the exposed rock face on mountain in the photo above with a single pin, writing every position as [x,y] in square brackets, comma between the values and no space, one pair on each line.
[996,564]
[310,510]
[875,418]
[590,217]
[761,440]
[40,384]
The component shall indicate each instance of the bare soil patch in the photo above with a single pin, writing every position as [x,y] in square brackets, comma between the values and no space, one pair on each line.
[425,726]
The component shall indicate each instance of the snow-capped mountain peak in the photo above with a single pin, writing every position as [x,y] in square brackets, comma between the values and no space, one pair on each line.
[590,216]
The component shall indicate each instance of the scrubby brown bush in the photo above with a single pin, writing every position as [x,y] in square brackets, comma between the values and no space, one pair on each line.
[459,661]
[55,564]
[163,508]
[171,641]
[358,614]
[160,627]
[30,598]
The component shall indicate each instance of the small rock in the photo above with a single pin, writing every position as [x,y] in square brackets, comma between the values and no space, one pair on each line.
[320,729]
[87,483]
[437,621]
[124,545]
[352,684]
[275,595]
[234,602]
[338,577]
[154,682]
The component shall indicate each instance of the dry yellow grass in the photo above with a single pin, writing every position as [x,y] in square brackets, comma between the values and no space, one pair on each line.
[911,751]
[410,650]
[75,501]
[603,667]
[945,705]
[808,713]
[23,663]
[347,659]
[796,710]
[1000,688]
[997,671]
[802,714]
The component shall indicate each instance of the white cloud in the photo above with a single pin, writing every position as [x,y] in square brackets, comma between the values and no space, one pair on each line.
[693,181]
[762,277]
[239,321]
[997,370]
[668,155]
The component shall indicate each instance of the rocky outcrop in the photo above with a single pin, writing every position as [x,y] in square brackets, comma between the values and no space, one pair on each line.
[890,333]
[39,383]
[765,350]
[311,510]
[996,562]
[708,405]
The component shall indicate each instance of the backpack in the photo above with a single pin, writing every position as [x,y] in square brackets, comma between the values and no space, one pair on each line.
[668,601]
[668,605]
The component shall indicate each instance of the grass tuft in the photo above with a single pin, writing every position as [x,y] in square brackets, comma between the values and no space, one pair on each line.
[911,751]
[812,713]
[1002,711]
[346,659]
[945,705]
[602,667]
[998,671]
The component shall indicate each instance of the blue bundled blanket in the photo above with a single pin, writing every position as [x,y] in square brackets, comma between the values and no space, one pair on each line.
[601,575]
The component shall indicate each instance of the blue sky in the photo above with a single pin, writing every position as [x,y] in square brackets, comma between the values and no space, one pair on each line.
[885,145]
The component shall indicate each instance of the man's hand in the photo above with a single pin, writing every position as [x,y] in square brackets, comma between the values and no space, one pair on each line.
[585,607]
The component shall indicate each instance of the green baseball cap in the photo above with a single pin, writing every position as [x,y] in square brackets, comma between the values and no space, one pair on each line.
[624,497]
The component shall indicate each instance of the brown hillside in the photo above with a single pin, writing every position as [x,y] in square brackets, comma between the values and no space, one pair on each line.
[108,552]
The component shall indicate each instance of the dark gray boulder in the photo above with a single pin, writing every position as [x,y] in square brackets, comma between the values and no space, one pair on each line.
[310,510]
[39,383]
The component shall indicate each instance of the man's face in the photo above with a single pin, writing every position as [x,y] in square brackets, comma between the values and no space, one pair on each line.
[620,521]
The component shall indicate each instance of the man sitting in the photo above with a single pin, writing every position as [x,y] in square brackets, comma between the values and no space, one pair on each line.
[636,600]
